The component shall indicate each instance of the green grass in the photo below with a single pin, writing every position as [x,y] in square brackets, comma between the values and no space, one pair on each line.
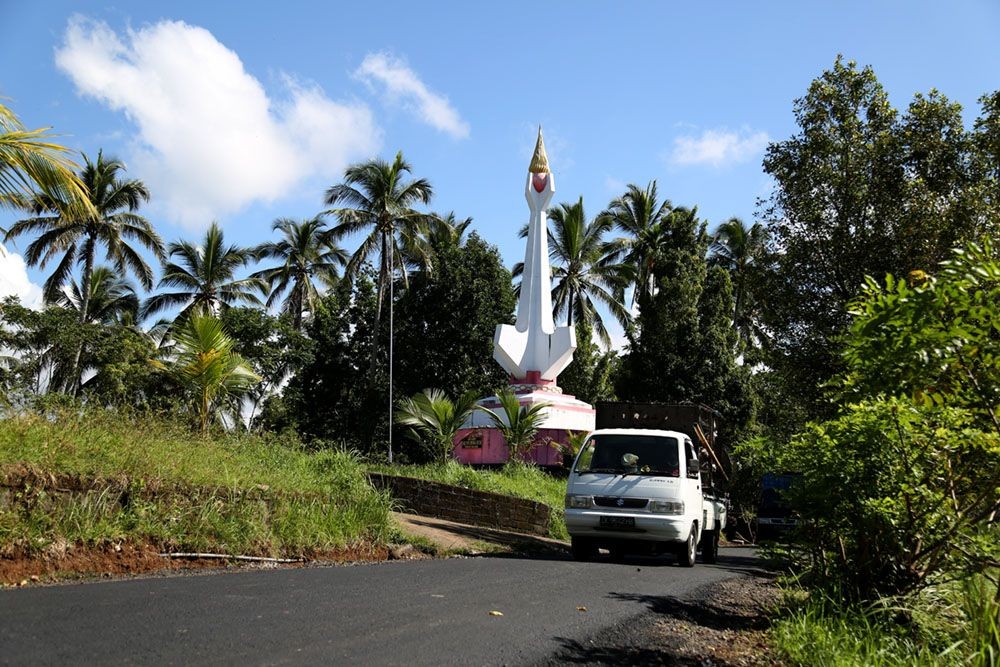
[522,481]
[957,624]
[241,493]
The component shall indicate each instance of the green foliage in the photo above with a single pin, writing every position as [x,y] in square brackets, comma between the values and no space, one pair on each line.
[893,494]
[203,362]
[203,276]
[241,493]
[684,345]
[517,423]
[270,345]
[306,252]
[446,318]
[336,392]
[933,339]
[590,376]
[861,191]
[433,419]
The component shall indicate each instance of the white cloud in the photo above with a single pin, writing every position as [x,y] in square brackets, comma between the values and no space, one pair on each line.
[403,86]
[718,147]
[14,280]
[210,139]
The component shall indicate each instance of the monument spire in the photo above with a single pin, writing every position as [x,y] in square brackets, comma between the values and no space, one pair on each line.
[534,347]
[539,161]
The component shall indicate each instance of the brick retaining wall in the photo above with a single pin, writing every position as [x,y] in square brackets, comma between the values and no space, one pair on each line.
[455,503]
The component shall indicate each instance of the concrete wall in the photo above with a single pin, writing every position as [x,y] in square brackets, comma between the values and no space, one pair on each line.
[455,503]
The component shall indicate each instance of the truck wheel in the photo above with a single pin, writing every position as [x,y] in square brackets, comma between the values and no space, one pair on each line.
[710,547]
[582,549]
[686,551]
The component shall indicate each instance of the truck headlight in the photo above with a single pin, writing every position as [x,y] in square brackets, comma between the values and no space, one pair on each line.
[577,502]
[667,506]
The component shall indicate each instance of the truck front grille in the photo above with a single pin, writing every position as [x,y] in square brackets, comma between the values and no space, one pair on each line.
[621,503]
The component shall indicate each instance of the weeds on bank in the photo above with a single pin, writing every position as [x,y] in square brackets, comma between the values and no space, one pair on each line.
[240,493]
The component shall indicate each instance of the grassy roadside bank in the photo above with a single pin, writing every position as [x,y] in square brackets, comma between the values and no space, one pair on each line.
[521,481]
[159,484]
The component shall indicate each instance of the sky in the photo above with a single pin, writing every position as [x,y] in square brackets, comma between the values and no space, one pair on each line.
[243,112]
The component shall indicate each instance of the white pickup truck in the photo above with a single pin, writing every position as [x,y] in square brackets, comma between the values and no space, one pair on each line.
[640,490]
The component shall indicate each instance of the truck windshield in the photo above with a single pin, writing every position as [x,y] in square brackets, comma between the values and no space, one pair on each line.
[654,455]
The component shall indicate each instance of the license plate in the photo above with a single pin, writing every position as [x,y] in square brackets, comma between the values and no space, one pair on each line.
[617,522]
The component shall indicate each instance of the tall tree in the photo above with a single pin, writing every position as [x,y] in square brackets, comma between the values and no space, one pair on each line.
[859,191]
[446,321]
[62,230]
[739,249]
[307,253]
[640,216]
[112,298]
[205,276]
[582,269]
[376,197]
[31,163]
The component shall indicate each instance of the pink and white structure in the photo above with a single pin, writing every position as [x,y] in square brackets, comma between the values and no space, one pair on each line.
[534,350]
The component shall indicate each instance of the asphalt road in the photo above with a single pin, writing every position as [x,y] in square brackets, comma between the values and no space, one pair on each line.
[414,613]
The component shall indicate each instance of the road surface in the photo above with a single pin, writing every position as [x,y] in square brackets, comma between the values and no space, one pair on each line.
[432,612]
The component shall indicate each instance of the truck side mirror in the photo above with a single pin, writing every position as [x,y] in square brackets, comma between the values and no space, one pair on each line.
[693,468]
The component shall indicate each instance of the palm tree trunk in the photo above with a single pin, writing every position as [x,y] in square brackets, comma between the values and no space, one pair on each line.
[572,307]
[73,381]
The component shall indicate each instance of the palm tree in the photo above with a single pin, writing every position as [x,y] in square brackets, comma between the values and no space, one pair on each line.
[433,418]
[62,230]
[738,248]
[30,163]
[112,298]
[438,234]
[306,252]
[205,277]
[518,424]
[582,270]
[377,197]
[640,215]
[204,363]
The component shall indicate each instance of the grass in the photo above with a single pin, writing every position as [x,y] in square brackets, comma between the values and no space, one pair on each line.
[522,481]
[242,494]
[955,624]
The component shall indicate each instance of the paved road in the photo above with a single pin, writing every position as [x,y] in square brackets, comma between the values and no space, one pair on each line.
[421,612]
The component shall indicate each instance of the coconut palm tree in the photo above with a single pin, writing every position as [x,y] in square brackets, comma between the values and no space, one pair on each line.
[204,276]
[31,163]
[582,270]
[642,217]
[306,252]
[737,248]
[62,230]
[376,197]
[438,234]
[434,419]
[517,424]
[112,298]
[204,363]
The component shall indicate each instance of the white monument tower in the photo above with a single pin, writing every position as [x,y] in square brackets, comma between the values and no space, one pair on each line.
[533,350]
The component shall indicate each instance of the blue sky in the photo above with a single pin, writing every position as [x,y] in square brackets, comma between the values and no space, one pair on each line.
[244,112]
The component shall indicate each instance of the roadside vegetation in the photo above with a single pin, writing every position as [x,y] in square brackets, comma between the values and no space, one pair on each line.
[160,483]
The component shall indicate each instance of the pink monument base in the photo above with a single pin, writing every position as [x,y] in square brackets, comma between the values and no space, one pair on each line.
[480,443]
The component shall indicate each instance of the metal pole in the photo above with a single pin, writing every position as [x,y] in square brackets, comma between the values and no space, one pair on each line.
[392,275]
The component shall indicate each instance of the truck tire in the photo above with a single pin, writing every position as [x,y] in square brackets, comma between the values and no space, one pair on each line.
[710,547]
[686,551]
[583,549]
